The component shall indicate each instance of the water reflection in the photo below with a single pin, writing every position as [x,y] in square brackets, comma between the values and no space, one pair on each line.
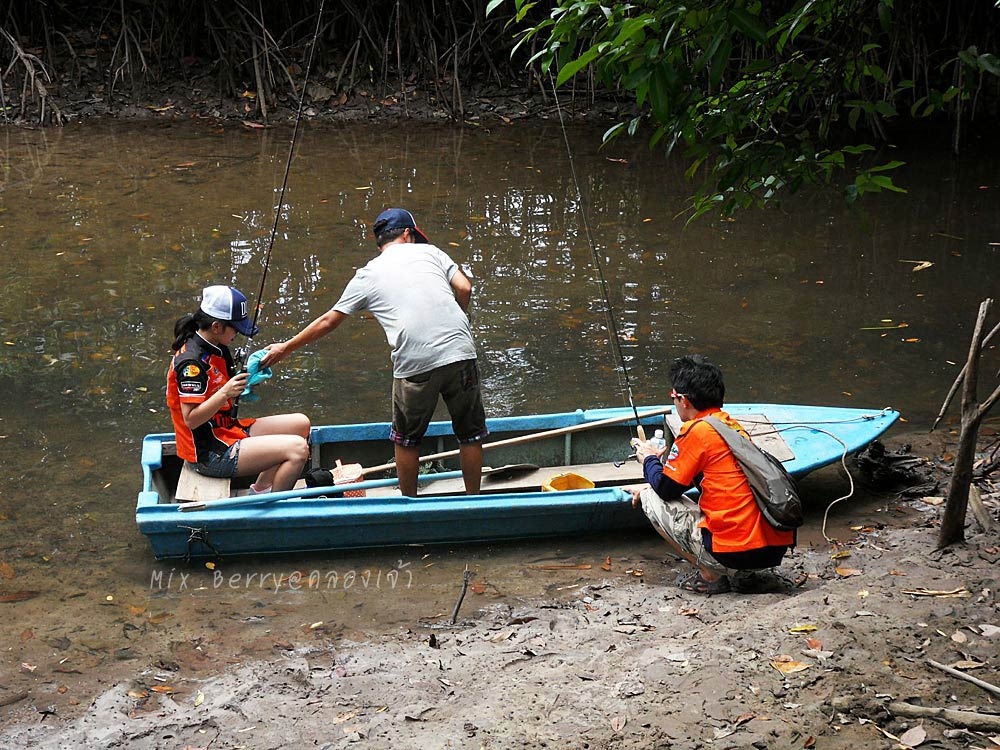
[110,232]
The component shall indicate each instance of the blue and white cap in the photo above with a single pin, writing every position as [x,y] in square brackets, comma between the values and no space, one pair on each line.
[229,305]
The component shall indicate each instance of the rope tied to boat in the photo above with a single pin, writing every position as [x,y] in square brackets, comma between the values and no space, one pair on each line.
[198,535]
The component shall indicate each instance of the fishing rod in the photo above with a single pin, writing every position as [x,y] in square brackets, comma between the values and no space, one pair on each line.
[241,353]
[608,312]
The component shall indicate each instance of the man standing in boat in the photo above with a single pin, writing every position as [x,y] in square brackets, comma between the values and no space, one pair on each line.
[421,298]
[725,529]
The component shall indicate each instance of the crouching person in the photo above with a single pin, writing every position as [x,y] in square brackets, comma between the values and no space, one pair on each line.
[724,530]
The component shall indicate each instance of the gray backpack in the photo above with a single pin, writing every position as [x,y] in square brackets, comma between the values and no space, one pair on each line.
[773,487]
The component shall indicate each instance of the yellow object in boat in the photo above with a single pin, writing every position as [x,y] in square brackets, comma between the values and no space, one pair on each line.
[567,481]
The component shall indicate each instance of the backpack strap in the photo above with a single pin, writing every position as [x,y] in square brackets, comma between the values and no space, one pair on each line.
[773,488]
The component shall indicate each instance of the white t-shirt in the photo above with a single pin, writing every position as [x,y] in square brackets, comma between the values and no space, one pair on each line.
[407,287]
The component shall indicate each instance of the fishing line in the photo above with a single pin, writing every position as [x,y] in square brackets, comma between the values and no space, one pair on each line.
[608,312]
[284,183]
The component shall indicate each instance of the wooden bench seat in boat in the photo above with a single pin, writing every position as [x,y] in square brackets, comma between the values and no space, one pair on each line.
[193,487]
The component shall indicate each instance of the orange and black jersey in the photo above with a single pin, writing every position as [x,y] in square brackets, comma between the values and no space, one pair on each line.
[199,370]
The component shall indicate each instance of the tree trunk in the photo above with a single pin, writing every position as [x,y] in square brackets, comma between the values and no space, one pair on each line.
[956,507]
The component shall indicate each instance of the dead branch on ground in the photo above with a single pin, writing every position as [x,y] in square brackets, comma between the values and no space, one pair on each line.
[973,720]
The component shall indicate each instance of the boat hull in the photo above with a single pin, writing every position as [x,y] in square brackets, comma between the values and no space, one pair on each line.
[298,521]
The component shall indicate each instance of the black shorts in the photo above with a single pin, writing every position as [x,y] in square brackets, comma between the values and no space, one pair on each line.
[415,398]
[754,559]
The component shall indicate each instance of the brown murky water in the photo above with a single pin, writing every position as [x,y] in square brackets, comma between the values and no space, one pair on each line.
[109,232]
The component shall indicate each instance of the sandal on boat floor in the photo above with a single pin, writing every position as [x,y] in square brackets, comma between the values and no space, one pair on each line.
[695,583]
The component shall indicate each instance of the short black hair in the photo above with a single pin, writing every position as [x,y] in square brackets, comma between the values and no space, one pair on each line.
[388,235]
[698,379]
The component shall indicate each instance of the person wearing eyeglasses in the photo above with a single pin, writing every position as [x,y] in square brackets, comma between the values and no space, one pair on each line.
[421,298]
[724,530]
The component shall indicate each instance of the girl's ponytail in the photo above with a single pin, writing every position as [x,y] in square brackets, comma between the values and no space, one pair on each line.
[187,325]
[184,328]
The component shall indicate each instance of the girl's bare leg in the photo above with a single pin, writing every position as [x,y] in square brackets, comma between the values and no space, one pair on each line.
[277,449]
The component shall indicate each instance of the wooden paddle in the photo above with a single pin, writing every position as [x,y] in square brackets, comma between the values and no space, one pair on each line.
[522,439]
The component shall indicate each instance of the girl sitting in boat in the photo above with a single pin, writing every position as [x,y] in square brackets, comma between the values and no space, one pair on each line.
[202,385]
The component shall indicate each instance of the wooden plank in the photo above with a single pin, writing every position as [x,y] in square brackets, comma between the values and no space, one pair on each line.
[603,475]
[759,427]
[193,487]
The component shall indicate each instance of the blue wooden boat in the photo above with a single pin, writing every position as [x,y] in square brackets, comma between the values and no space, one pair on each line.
[587,444]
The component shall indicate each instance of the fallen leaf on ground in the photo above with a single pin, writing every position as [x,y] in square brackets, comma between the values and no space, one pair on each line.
[607,563]
[787,665]
[17,596]
[913,736]
[807,628]
[165,689]
[618,723]
[417,715]
[919,265]
[6,570]
[921,591]
[818,654]
[847,572]
[967,664]
[561,566]
[199,699]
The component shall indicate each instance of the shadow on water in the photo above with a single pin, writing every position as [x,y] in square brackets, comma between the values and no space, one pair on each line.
[111,231]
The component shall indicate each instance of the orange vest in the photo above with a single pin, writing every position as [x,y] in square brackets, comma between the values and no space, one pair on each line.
[727,504]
